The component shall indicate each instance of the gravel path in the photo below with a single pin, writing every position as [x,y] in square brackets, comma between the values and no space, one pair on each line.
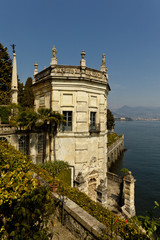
[62,233]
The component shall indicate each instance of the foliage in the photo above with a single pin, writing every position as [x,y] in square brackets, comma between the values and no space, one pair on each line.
[110,120]
[20,92]
[42,173]
[4,114]
[5,76]
[52,171]
[124,171]
[65,176]
[126,229]
[123,228]
[59,169]
[46,115]
[151,222]
[54,168]
[112,137]
[29,118]
[24,205]
[24,119]
[27,100]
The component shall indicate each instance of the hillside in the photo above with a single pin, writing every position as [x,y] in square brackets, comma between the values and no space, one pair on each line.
[137,113]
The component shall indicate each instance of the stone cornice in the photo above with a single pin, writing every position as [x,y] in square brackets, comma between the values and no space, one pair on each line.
[71,72]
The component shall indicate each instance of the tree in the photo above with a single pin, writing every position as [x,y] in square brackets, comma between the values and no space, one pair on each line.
[28,97]
[5,76]
[49,121]
[110,120]
[20,92]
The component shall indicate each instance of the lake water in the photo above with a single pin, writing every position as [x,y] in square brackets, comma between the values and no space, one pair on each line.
[142,158]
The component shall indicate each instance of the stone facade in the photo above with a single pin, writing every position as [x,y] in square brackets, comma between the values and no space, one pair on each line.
[80,94]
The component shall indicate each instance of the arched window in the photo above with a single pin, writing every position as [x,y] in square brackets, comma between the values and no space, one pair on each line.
[23,144]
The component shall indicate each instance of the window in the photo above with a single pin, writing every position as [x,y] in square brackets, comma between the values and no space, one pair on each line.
[23,144]
[40,144]
[67,126]
[42,101]
[93,119]
[93,126]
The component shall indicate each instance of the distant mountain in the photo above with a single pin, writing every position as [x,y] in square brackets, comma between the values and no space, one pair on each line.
[137,112]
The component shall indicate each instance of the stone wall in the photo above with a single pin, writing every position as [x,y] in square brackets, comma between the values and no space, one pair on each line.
[115,188]
[121,194]
[115,150]
[81,224]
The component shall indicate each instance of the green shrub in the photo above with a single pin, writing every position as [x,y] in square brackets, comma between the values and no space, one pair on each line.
[4,115]
[112,137]
[151,222]
[126,229]
[59,169]
[125,171]
[24,205]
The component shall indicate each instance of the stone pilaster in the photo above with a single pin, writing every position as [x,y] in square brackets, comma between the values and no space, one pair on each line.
[128,192]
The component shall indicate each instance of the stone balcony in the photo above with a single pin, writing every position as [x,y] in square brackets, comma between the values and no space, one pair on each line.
[94,128]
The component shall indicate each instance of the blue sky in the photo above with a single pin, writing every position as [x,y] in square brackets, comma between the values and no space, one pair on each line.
[128,31]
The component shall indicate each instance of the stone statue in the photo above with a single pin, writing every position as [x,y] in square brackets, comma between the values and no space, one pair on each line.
[13,47]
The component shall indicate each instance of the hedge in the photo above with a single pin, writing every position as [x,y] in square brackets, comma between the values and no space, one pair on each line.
[127,229]
[25,206]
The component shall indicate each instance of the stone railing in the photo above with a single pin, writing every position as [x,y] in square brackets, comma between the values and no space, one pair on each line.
[114,177]
[6,128]
[95,128]
[80,223]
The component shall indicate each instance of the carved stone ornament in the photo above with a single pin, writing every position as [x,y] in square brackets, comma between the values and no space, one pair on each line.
[54,52]
[79,178]
[101,187]
[103,65]
[35,68]
[83,61]
[54,58]
[83,54]
[104,59]
[130,177]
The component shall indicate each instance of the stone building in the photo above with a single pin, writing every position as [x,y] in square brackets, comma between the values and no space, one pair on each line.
[80,94]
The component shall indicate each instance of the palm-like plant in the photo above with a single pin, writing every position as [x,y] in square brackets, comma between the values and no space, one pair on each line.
[49,121]
[44,119]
